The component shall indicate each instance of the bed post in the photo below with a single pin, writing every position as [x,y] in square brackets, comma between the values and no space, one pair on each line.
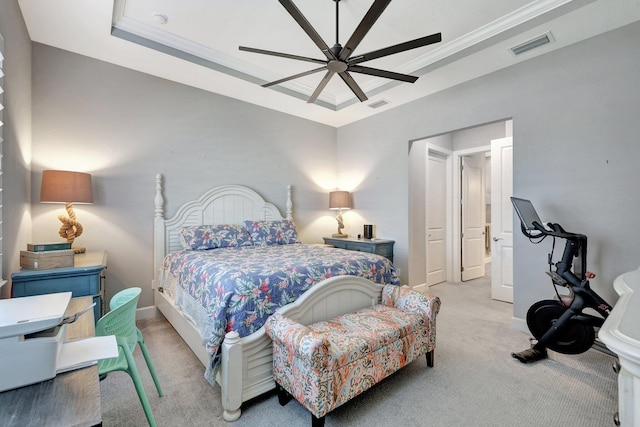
[289,204]
[231,381]
[158,230]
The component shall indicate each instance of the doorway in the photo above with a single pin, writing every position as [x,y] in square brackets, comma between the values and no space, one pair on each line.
[447,151]
[470,213]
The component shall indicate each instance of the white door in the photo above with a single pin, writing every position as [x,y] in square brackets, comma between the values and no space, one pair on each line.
[473,217]
[436,219]
[502,219]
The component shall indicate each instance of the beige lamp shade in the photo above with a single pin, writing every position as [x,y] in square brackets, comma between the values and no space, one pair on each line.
[65,186]
[339,200]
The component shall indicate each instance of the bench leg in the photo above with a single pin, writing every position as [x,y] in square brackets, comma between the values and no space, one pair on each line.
[283,395]
[430,357]
[317,422]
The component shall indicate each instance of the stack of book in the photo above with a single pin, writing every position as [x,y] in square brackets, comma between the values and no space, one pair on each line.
[42,256]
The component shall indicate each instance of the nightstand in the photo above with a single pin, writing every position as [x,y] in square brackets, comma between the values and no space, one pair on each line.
[85,278]
[375,246]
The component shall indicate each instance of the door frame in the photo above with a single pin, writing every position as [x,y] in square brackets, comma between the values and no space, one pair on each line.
[500,275]
[447,154]
[473,230]
[445,161]
[449,202]
[456,246]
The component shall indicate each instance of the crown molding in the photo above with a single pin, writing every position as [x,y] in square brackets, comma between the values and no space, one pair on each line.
[155,38]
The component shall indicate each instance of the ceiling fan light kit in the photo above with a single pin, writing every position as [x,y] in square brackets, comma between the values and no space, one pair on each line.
[339,59]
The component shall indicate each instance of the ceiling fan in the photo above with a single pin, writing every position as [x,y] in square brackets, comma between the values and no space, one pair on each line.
[339,59]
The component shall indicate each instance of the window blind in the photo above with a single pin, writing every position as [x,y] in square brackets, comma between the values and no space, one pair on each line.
[2,281]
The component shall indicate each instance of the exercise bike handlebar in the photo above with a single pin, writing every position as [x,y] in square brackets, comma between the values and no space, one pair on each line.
[576,245]
[556,231]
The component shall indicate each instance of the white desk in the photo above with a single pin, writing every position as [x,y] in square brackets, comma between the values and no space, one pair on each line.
[621,334]
[69,399]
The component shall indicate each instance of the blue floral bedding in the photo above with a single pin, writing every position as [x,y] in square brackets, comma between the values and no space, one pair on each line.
[239,287]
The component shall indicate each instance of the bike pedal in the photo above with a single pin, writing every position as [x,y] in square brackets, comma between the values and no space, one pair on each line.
[616,367]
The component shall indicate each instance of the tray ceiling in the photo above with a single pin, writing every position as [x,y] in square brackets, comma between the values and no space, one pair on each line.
[196,43]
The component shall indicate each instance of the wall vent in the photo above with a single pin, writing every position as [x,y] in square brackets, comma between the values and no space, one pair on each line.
[378,104]
[532,44]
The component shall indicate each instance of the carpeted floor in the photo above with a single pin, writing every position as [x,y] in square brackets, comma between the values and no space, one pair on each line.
[475,381]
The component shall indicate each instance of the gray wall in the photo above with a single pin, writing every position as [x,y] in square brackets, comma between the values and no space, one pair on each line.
[124,127]
[575,130]
[17,137]
[575,152]
[478,136]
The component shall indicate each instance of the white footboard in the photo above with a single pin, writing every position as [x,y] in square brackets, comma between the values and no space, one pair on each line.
[246,369]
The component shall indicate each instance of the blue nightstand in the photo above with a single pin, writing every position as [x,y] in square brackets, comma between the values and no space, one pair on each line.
[375,246]
[85,278]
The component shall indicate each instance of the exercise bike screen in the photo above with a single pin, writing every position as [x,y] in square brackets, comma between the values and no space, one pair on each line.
[527,213]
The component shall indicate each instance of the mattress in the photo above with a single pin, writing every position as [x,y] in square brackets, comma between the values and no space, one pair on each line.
[238,288]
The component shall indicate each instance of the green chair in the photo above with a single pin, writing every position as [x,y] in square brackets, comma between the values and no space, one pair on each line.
[121,322]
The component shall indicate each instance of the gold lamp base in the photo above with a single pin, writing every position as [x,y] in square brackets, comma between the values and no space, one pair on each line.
[71,228]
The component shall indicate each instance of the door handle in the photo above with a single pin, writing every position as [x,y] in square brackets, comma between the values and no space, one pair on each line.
[495,239]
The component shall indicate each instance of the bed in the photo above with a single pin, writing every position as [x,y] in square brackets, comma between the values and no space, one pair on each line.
[226,261]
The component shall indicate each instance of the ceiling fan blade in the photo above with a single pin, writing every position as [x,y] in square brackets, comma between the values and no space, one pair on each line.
[382,73]
[401,47]
[282,55]
[320,87]
[295,76]
[346,77]
[306,26]
[363,28]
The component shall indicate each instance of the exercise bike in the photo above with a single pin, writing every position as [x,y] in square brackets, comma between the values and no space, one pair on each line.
[561,324]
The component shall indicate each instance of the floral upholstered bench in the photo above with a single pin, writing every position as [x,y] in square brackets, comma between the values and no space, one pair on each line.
[327,363]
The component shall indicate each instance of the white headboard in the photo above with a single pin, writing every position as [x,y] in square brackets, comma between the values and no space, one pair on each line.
[227,204]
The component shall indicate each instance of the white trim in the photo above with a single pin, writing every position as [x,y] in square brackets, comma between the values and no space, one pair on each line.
[448,154]
[505,23]
[422,288]
[457,195]
[150,312]
[149,32]
[520,325]
[481,35]
[2,281]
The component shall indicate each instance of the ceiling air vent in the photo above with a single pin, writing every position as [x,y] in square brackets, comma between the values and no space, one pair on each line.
[378,104]
[532,44]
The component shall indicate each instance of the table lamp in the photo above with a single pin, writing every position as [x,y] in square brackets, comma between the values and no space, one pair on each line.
[67,187]
[339,200]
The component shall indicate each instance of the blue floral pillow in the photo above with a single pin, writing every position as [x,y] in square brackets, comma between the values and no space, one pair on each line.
[272,232]
[214,236]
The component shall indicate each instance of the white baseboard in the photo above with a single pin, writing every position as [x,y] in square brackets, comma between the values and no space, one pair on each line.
[422,288]
[520,325]
[150,312]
